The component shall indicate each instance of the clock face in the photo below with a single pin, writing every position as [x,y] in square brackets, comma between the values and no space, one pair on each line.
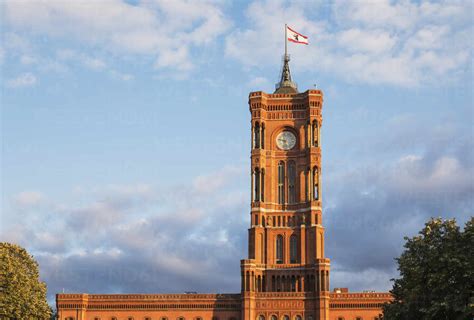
[286,140]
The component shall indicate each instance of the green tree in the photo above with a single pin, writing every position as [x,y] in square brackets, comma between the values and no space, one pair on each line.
[436,274]
[22,295]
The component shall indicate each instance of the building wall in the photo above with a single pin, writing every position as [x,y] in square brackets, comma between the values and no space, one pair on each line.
[148,306]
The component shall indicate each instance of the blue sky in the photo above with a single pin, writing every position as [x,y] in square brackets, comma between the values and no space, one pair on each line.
[125,133]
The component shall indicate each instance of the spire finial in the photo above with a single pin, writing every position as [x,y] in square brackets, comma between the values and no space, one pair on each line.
[286,85]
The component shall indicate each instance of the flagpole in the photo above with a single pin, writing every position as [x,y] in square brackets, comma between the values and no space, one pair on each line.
[286,41]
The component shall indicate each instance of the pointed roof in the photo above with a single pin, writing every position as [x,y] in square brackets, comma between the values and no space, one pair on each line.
[286,85]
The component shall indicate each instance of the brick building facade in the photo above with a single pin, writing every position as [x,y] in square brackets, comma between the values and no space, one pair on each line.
[286,275]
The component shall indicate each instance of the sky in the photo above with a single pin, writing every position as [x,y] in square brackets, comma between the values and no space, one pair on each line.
[125,133]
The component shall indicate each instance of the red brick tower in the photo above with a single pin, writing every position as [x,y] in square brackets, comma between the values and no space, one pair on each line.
[287,275]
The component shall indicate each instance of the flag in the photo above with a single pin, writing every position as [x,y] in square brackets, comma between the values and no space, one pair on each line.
[295,37]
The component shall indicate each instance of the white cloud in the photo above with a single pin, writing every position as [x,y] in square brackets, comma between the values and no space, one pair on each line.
[258,82]
[28,59]
[383,42]
[28,198]
[167,30]
[24,80]
[357,40]
[94,63]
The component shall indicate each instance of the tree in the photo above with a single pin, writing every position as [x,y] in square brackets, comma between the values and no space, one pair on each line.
[436,274]
[22,295]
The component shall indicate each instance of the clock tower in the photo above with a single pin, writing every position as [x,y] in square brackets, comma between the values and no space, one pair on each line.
[286,275]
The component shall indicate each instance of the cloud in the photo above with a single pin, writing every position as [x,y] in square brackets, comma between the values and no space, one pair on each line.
[28,198]
[370,208]
[168,30]
[395,43]
[138,238]
[24,80]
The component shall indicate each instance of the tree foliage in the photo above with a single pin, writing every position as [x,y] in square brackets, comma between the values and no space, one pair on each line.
[436,274]
[22,295]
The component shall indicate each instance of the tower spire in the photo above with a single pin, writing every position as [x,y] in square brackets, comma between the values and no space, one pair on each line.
[286,85]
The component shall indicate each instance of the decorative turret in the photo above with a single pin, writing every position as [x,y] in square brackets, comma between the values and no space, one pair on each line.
[286,85]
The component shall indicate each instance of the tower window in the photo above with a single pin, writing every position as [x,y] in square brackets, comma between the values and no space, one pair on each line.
[281,182]
[257,184]
[291,182]
[279,249]
[293,249]
[315,183]
[315,134]
[256,135]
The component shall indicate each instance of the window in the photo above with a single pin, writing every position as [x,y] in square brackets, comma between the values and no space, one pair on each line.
[180,318]
[274,317]
[130,318]
[164,318]
[315,132]
[315,183]
[262,185]
[215,318]
[293,249]
[114,318]
[256,135]
[291,182]
[279,249]
[281,182]
[257,184]
[96,318]
[147,318]
[261,317]
[298,317]
[285,317]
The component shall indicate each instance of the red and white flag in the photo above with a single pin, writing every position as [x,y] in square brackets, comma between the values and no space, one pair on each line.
[295,37]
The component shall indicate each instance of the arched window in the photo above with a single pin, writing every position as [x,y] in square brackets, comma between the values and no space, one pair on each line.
[293,249]
[256,135]
[286,317]
[262,137]
[257,184]
[315,133]
[274,317]
[298,317]
[281,182]
[279,249]
[262,185]
[291,182]
[261,317]
[308,134]
[315,183]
